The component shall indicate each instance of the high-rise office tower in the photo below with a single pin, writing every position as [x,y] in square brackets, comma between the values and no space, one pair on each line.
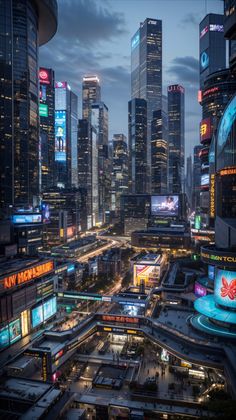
[196,177]
[91,94]
[176,138]
[99,124]
[189,181]
[88,168]
[137,127]
[25,25]
[159,155]
[212,45]
[47,132]
[66,114]
[146,71]
[120,172]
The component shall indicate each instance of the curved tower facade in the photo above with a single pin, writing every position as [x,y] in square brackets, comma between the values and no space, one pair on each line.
[26,24]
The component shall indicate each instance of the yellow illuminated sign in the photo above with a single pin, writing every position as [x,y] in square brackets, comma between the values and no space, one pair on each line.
[27,275]
[220,258]
[229,171]
[131,331]
[203,129]
[44,366]
[107,329]
[212,196]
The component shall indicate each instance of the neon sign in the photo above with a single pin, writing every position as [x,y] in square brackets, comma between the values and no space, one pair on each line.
[212,195]
[27,275]
[44,76]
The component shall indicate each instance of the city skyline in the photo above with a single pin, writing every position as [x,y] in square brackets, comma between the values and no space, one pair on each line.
[102,46]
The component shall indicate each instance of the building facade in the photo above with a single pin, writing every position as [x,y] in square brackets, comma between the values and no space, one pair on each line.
[47,131]
[159,152]
[91,93]
[137,127]
[176,138]
[120,174]
[66,120]
[146,71]
[25,26]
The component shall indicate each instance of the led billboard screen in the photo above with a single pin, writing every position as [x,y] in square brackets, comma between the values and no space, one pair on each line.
[4,338]
[197,222]
[43,110]
[205,129]
[204,180]
[147,274]
[14,331]
[37,316]
[225,288]
[204,60]
[211,272]
[199,290]
[49,308]
[44,76]
[60,136]
[27,218]
[165,205]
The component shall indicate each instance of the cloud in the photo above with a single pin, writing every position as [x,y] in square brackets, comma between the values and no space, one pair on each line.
[89,21]
[190,19]
[185,71]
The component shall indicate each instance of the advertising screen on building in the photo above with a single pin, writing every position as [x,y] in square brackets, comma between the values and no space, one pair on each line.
[37,316]
[44,76]
[43,110]
[60,136]
[225,288]
[146,274]
[164,205]
[49,308]
[205,130]
[211,272]
[4,338]
[135,40]
[204,60]
[197,221]
[14,331]
[27,218]
[204,180]
[199,290]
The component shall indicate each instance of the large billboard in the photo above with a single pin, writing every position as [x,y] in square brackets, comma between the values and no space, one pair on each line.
[14,330]
[4,338]
[204,60]
[44,76]
[225,288]
[37,316]
[27,218]
[147,274]
[164,205]
[49,308]
[205,130]
[199,290]
[60,136]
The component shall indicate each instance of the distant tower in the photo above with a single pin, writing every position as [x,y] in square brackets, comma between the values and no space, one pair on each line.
[159,148]
[176,138]
[91,94]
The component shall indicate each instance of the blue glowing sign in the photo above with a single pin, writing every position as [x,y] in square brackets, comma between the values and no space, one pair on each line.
[135,41]
[71,268]
[27,218]
[204,60]
[14,331]
[37,316]
[211,272]
[49,308]
[226,122]
[225,288]
[60,136]
[4,338]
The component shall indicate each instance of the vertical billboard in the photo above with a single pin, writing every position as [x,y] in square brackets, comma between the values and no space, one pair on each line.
[60,136]
[37,316]
[14,330]
[225,288]
[49,308]
[4,338]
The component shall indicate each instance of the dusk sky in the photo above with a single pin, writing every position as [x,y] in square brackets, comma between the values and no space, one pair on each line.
[93,37]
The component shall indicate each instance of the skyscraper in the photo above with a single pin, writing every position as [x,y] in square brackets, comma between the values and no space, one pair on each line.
[25,25]
[88,168]
[196,177]
[176,138]
[189,181]
[91,94]
[146,71]
[47,132]
[138,145]
[212,45]
[66,114]
[159,155]
[99,123]
[119,170]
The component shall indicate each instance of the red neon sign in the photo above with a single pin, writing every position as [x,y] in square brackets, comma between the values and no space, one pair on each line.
[44,77]
[205,129]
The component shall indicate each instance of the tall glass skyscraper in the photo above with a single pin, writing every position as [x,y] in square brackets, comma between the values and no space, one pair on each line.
[91,94]
[138,145]
[25,25]
[119,169]
[212,45]
[146,72]
[176,138]
[66,120]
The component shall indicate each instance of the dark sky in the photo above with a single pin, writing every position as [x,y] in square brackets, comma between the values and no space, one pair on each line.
[93,37]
